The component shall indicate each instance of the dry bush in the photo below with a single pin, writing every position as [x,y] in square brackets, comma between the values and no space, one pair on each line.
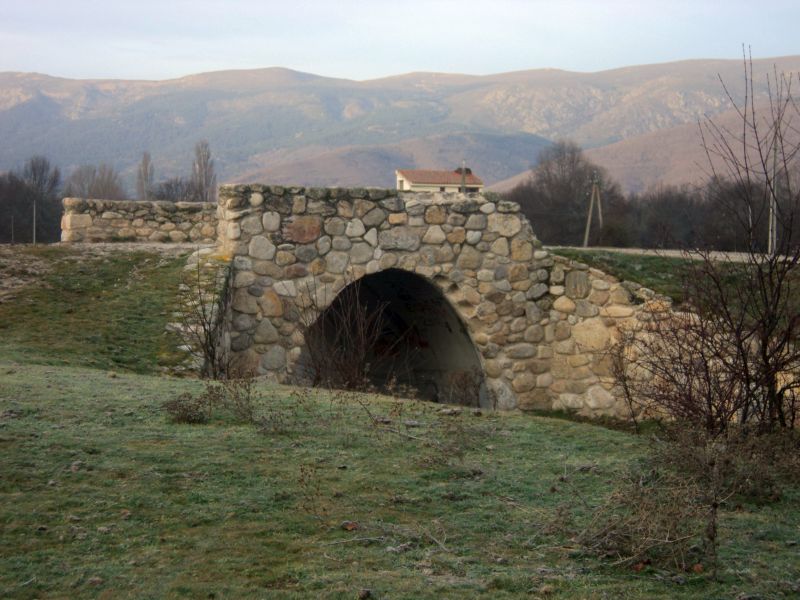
[188,408]
[202,296]
[666,513]
[652,517]
[464,387]
[341,339]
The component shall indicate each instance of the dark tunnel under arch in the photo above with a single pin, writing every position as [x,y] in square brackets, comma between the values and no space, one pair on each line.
[401,331]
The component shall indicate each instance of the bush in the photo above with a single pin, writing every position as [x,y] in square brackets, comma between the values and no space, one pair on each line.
[187,408]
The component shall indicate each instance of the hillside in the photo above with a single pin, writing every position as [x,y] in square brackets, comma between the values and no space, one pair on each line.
[283,125]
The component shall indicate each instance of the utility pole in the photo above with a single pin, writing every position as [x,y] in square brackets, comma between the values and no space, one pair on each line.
[772,235]
[595,194]
[463,189]
[34,219]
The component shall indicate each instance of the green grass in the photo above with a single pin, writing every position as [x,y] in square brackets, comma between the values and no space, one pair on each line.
[101,496]
[108,312]
[659,273]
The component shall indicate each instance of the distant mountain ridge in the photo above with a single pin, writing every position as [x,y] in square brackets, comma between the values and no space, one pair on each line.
[284,126]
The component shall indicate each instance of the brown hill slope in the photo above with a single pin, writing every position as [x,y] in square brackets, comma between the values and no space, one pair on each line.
[285,124]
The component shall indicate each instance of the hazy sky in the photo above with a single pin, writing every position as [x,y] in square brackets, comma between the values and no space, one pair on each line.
[362,39]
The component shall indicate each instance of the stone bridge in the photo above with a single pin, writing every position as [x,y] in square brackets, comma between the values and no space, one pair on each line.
[464,273]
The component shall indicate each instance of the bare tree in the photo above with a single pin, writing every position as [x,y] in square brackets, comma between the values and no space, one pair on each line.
[101,182]
[556,197]
[204,180]
[342,339]
[176,189]
[79,182]
[734,356]
[42,183]
[144,178]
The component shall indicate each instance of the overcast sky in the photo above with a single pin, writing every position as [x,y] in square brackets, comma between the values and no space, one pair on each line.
[363,39]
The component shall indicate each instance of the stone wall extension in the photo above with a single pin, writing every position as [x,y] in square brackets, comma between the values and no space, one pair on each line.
[133,221]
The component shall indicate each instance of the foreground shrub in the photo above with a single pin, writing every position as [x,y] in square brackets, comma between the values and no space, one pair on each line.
[666,512]
[188,408]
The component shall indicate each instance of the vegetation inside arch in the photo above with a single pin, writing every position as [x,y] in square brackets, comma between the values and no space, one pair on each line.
[395,332]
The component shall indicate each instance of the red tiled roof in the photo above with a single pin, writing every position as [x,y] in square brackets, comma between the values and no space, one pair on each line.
[426,176]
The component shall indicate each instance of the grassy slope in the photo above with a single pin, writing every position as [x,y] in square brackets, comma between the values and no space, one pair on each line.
[662,274]
[100,496]
[106,311]
[221,509]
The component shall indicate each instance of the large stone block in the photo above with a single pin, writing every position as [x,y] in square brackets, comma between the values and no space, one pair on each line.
[399,238]
[303,229]
[261,248]
[76,221]
[591,334]
[506,224]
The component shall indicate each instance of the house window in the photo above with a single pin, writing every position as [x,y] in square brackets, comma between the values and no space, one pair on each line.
[441,189]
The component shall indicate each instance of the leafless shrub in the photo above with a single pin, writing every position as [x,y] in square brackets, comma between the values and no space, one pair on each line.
[464,387]
[312,500]
[342,338]
[281,417]
[651,517]
[733,357]
[238,396]
[202,297]
[188,408]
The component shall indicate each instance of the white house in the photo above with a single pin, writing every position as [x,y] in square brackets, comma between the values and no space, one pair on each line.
[424,180]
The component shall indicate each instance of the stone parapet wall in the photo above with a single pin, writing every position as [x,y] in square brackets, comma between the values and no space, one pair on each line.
[133,221]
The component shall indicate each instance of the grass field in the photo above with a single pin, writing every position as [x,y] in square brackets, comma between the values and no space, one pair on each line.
[101,496]
[107,310]
[663,274]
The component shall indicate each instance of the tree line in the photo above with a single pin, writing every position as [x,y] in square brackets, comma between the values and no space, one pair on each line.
[30,197]
[556,200]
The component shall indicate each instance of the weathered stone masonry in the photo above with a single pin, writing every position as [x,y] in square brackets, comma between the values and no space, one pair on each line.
[116,220]
[541,324]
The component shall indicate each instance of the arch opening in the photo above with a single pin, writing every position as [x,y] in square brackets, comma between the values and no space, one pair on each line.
[396,332]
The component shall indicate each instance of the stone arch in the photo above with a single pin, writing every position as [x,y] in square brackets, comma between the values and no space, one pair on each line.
[421,343]
[479,253]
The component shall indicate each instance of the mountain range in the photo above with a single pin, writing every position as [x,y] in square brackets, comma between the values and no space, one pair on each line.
[281,126]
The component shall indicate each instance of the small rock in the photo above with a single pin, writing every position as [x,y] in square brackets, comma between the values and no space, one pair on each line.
[112,374]
[364,594]
[349,525]
[450,412]
[52,482]
[95,581]
[412,423]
